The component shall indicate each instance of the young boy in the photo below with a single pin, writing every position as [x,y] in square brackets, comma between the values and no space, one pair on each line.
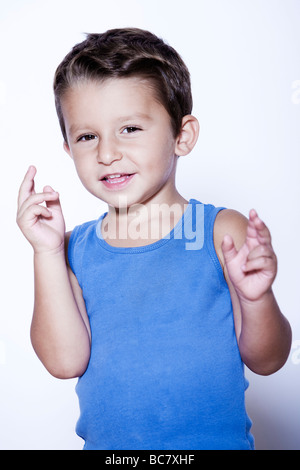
[156,305]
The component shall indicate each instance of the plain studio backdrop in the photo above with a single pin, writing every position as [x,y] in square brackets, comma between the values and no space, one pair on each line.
[244,59]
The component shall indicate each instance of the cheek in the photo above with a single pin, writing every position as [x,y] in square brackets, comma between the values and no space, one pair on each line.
[83,170]
[161,152]
[166,157]
[84,159]
[159,170]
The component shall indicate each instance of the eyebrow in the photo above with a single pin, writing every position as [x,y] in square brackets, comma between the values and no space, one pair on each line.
[146,117]
[75,129]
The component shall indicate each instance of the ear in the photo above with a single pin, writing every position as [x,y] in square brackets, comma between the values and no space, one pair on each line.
[188,136]
[67,149]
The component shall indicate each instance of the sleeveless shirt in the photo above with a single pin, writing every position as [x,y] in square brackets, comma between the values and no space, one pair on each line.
[165,370]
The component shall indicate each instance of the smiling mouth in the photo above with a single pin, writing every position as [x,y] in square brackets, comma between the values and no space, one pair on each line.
[116,178]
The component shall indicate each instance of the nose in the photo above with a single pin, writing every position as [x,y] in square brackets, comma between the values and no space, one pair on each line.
[108,151]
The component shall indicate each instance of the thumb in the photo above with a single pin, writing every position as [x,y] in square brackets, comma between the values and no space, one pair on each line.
[48,189]
[228,249]
[55,204]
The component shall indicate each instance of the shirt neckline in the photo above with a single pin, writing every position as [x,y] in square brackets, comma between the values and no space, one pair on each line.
[150,247]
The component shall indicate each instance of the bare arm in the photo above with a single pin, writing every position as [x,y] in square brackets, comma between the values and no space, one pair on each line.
[60,331]
[250,266]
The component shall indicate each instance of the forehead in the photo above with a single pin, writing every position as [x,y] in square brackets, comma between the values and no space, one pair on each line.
[113,93]
[90,104]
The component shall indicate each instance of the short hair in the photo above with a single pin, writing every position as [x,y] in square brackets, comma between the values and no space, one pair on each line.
[128,52]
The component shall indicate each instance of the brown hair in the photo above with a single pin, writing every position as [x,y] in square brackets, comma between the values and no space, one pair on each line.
[128,52]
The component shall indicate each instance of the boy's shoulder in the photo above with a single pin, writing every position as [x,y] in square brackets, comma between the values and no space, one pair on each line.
[229,222]
[84,227]
[79,230]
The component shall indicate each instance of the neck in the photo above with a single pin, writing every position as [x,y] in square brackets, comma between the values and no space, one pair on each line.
[142,224]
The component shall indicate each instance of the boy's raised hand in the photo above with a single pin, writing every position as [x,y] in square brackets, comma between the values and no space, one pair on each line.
[253,268]
[43,226]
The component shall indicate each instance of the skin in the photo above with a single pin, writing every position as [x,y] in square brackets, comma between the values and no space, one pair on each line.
[109,143]
[118,127]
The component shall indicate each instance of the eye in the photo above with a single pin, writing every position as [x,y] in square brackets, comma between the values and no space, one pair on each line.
[86,138]
[130,129]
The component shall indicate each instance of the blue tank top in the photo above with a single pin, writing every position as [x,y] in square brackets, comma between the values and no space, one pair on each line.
[165,371]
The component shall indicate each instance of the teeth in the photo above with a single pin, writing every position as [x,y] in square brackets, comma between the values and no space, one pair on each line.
[113,176]
[116,178]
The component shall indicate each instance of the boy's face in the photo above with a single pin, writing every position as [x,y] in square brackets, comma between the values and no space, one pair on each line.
[121,140]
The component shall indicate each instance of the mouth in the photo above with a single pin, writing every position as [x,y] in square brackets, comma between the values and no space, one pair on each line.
[117,180]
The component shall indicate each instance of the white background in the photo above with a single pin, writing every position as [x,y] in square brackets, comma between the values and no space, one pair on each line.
[244,58]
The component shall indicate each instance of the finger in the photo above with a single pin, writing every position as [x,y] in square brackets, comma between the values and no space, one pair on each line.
[228,248]
[259,264]
[55,203]
[261,250]
[39,211]
[35,199]
[27,186]
[48,189]
[257,228]
[29,217]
